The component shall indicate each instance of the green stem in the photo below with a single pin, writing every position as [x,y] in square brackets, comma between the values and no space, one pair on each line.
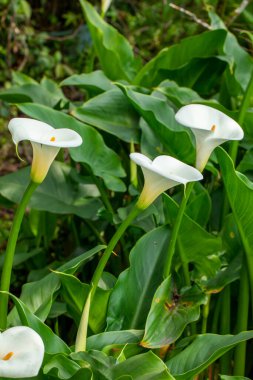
[114,240]
[176,228]
[83,326]
[184,263]
[205,313]
[108,206]
[225,328]
[9,254]
[216,314]
[242,323]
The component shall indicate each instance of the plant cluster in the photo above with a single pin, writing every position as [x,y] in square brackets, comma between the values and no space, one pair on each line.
[167,293]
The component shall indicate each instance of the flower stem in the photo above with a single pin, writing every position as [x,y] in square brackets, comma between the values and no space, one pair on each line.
[10,251]
[187,278]
[225,327]
[205,313]
[242,322]
[175,230]
[114,240]
[83,326]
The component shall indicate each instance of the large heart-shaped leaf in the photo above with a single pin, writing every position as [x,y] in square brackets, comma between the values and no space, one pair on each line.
[205,45]
[132,296]
[112,113]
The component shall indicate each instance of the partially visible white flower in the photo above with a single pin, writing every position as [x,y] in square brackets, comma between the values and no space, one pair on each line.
[210,127]
[161,174]
[46,142]
[105,4]
[21,353]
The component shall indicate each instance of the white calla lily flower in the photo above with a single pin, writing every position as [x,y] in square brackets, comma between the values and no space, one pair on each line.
[21,353]
[161,174]
[211,128]
[46,142]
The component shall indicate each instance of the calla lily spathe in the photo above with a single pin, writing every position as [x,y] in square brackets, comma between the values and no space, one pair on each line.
[161,174]
[21,353]
[211,128]
[46,142]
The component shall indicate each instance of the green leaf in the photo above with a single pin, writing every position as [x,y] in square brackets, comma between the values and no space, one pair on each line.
[56,194]
[202,352]
[96,81]
[108,338]
[132,295]
[111,112]
[167,317]
[241,66]
[225,276]
[61,367]
[145,366]
[240,195]
[161,119]
[99,363]
[75,294]
[19,78]
[38,295]
[180,96]
[199,205]
[46,93]
[103,161]
[53,344]
[205,45]
[113,50]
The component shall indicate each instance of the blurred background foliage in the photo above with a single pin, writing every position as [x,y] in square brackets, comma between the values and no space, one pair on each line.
[50,38]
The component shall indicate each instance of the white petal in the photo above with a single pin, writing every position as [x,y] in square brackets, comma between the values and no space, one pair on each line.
[42,133]
[162,174]
[141,159]
[28,129]
[176,170]
[62,138]
[199,116]
[28,352]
